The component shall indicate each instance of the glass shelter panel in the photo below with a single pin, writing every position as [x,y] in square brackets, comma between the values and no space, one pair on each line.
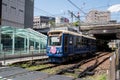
[16,41]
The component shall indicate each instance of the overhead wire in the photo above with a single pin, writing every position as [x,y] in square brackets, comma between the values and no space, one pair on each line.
[65,13]
[76,6]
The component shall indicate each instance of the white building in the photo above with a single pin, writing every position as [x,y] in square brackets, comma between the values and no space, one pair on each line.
[61,20]
[95,16]
[42,21]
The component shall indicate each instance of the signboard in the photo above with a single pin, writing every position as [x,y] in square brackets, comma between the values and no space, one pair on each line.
[55,39]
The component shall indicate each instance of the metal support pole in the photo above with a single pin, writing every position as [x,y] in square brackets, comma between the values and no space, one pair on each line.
[112,68]
[0,40]
[117,58]
[25,44]
[117,63]
[28,44]
[110,77]
[4,57]
[32,57]
[34,46]
[39,46]
[13,42]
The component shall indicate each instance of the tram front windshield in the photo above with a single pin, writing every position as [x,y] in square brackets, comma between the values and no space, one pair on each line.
[54,41]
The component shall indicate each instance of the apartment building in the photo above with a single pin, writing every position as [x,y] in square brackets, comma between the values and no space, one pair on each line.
[95,16]
[43,21]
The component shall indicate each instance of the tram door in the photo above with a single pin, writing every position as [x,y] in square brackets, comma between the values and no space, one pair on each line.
[65,44]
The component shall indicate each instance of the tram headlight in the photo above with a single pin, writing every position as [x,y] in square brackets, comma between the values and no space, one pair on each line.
[57,52]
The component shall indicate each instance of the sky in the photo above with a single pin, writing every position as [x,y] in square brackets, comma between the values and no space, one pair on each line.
[60,7]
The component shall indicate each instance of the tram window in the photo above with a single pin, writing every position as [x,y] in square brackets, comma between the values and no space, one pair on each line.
[54,41]
[66,40]
[87,41]
[66,44]
[71,41]
[77,41]
[82,43]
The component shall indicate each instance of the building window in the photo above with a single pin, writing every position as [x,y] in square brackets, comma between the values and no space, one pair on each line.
[20,10]
[13,10]
[4,9]
[13,7]
[4,4]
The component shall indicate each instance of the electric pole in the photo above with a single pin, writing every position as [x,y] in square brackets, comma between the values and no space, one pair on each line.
[73,15]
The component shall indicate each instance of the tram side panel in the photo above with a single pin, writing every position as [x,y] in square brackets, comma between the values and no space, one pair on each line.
[63,46]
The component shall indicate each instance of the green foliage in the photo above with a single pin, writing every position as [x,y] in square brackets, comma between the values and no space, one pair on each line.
[76,23]
[102,77]
[96,77]
[24,65]
[52,23]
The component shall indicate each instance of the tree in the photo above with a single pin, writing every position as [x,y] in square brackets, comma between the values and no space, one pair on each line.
[52,23]
[77,23]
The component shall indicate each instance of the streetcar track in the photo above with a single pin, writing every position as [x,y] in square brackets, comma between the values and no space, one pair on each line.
[77,65]
[91,68]
[47,67]
[68,69]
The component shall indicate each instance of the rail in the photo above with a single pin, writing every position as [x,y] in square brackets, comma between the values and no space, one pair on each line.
[78,64]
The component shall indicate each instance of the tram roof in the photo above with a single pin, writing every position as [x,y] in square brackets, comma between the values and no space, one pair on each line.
[73,33]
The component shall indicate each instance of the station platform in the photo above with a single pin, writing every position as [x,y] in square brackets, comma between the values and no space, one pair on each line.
[15,60]
[16,73]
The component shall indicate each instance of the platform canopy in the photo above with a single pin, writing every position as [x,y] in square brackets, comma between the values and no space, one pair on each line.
[14,40]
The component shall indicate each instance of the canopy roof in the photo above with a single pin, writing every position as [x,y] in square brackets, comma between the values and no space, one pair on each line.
[24,33]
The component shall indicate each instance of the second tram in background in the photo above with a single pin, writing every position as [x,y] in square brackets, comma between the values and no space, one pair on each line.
[63,45]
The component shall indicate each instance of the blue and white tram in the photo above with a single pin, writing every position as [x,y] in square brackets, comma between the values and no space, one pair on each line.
[62,45]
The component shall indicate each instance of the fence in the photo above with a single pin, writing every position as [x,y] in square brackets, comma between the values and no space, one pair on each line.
[114,71]
[20,53]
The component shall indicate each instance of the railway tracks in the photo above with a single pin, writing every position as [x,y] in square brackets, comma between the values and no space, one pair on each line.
[88,70]
[70,67]
[80,68]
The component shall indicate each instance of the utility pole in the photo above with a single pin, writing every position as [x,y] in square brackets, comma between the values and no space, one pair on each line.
[78,9]
[73,15]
